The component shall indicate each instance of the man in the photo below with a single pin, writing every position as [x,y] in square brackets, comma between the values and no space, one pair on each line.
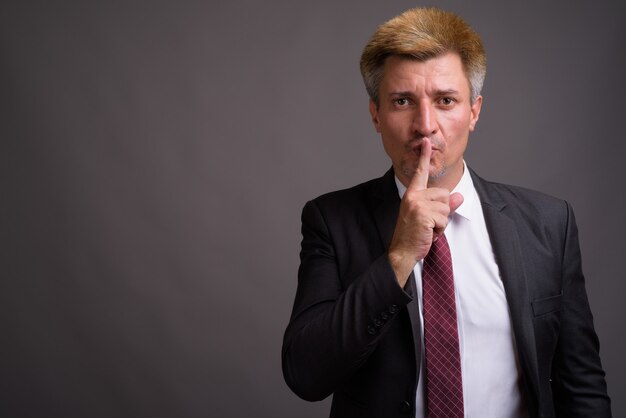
[369,317]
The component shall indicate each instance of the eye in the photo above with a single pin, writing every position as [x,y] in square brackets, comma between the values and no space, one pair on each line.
[447,101]
[402,101]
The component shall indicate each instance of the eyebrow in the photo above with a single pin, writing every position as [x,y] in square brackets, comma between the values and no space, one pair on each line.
[438,93]
[448,92]
[401,93]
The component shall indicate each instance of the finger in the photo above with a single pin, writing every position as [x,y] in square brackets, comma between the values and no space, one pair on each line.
[441,222]
[420,177]
[456,199]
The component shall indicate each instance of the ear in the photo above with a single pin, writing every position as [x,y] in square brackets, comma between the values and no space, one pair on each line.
[475,108]
[374,113]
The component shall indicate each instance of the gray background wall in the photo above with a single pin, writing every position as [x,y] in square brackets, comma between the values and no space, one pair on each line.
[155,157]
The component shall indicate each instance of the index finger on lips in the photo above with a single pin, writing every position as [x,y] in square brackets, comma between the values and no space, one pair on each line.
[420,177]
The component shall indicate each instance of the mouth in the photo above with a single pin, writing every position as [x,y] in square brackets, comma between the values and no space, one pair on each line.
[417,149]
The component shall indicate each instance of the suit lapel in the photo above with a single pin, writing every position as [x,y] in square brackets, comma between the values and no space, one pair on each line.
[385,208]
[507,249]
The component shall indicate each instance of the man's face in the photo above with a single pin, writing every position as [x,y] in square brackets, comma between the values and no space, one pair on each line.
[426,99]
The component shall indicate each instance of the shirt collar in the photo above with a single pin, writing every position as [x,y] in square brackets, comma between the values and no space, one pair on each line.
[465,187]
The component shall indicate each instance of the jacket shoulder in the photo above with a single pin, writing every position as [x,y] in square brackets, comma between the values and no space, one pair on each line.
[520,198]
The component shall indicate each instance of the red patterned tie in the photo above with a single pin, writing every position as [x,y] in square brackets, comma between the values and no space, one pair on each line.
[444,388]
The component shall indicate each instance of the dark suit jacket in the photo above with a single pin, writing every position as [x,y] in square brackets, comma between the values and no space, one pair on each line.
[354,332]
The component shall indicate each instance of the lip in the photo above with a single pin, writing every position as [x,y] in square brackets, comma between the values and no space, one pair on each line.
[416,144]
[417,149]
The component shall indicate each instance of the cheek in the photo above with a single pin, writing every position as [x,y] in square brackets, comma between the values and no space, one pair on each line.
[393,146]
[457,128]
[399,131]
[391,130]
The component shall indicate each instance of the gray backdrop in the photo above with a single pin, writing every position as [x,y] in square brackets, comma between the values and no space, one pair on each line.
[155,157]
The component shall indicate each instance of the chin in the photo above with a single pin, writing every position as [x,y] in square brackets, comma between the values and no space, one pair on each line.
[435,172]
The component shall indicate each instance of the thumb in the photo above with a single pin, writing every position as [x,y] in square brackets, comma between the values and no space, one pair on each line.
[456,199]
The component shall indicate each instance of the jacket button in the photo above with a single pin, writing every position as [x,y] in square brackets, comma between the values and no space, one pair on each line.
[378,322]
[393,309]
[384,316]
[405,406]
[371,330]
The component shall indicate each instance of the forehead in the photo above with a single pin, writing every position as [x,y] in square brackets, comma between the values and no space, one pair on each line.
[441,72]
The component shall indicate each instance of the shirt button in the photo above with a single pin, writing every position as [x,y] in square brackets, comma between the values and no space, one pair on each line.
[405,406]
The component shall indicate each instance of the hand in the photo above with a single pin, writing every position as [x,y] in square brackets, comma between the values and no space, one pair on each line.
[423,217]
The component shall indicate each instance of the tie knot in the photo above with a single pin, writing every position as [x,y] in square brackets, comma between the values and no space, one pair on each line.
[441,241]
[438,250]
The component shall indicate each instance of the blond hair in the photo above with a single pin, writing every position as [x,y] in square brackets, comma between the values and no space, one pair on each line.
[422,34]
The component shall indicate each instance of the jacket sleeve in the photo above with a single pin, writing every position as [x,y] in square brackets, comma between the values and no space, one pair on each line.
[578,384]
[334,327]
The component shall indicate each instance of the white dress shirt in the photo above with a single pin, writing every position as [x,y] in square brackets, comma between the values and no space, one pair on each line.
[491,372]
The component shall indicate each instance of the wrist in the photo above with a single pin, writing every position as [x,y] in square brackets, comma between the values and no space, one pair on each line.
[402,266]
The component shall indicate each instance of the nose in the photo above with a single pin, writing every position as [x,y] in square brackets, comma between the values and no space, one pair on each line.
[424,120]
